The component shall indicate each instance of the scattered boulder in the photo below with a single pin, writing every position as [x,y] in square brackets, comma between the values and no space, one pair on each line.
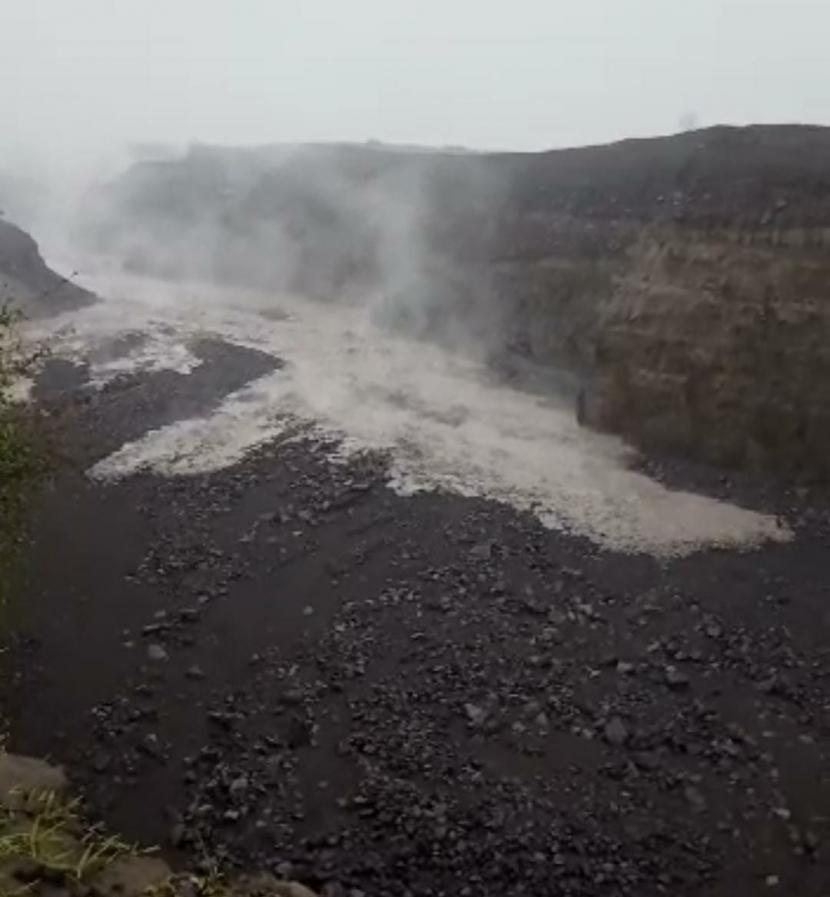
[157,652]
[475,714]
[615,731]
[695,799]
[676,678]
[482,552]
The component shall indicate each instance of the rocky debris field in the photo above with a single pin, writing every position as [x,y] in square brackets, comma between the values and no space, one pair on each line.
[285,666]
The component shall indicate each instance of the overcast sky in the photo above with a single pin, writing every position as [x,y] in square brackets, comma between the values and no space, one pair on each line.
[523,74]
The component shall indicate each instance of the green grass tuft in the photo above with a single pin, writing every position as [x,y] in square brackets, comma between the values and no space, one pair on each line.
[48,837]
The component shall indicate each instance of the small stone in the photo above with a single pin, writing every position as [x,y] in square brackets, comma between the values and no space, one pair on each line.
[299,732]
[482,551]
[151,745]
[101,762]
[615,731]
[292,697]
[475,714]
[695,798]
[647,760]
[676,678]
[238,786]
[772,881]
[157,653]
[768,686]
[534,606]
[624,668]
[195,672]
[308,610]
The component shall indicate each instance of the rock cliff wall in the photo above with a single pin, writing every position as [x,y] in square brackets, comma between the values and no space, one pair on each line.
[684,280]
[715,345]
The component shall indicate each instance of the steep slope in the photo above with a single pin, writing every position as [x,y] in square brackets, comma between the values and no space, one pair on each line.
[28,282]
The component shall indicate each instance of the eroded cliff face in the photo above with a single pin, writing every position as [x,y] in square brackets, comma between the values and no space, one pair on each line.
[683,280]
[715,345]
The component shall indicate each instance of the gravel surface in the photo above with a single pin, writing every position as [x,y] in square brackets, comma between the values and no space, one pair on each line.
[283,664]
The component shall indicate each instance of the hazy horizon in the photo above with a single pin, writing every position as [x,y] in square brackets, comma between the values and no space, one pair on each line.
[530,75]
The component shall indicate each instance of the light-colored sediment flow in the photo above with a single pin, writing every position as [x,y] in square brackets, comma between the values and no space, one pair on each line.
[444,423]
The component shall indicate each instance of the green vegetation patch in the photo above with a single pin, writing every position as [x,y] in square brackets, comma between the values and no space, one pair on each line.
[20,460]
[45,839]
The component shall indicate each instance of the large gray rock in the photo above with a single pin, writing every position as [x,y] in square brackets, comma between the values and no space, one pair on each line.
[293,889]
[266,885]
[22,777]
[132,876]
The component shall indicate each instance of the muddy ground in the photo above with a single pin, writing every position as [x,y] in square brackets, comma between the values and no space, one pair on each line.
[285,665]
